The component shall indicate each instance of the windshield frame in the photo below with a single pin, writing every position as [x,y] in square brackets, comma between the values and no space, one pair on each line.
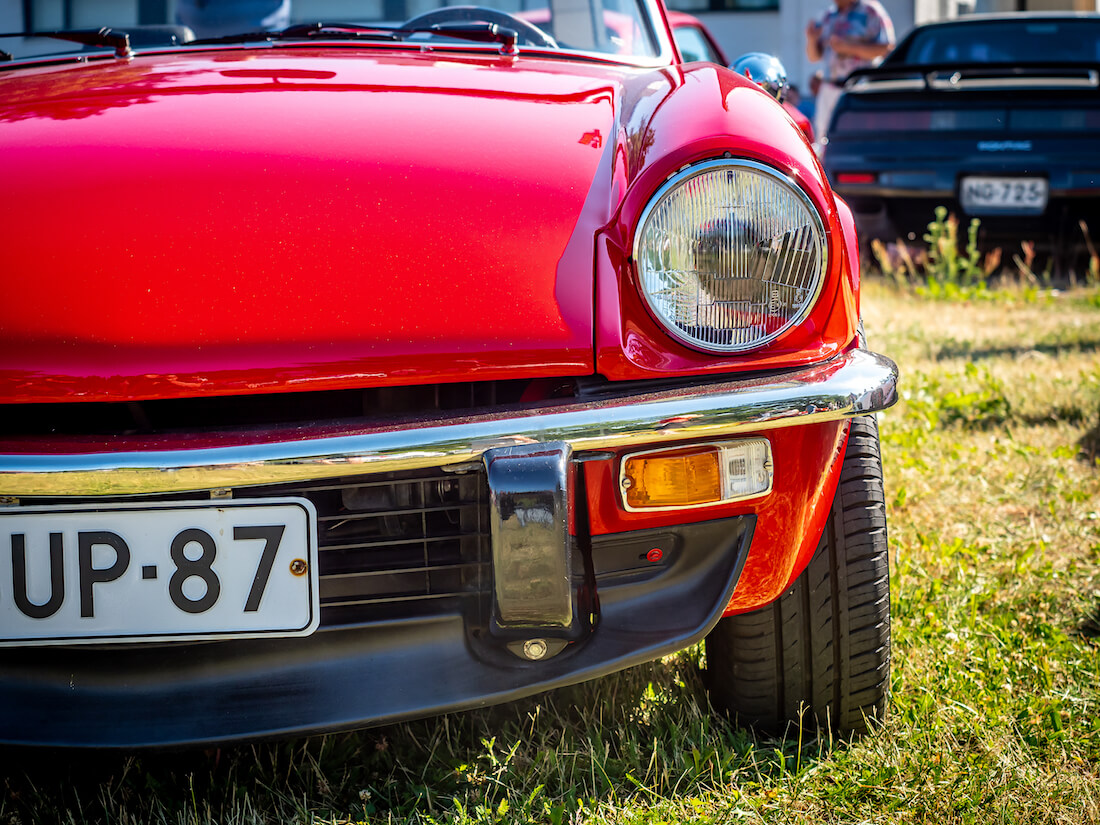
[651,16]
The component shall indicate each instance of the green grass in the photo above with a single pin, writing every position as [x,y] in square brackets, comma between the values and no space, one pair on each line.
[993,484]
[950,265]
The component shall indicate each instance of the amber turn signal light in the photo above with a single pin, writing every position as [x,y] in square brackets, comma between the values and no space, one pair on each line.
[677,478]
[695,476]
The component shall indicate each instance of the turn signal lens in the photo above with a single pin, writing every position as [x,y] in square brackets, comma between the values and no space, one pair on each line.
[695,476]
[673,479]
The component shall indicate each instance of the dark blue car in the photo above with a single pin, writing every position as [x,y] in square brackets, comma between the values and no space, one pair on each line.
[995,117]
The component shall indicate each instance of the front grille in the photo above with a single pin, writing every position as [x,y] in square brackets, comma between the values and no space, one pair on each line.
[397,545]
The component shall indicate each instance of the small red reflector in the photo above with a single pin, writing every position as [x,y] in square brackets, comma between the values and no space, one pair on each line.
[656,554]
[856,177]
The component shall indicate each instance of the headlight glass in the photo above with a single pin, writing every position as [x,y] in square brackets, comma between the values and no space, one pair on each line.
[730,254]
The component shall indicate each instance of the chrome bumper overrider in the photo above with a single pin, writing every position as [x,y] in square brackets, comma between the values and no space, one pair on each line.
[855,383]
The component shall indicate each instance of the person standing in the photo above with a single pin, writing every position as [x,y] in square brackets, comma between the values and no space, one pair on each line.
[848,36]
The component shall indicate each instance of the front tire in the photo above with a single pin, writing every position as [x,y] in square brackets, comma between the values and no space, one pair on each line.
[820,654]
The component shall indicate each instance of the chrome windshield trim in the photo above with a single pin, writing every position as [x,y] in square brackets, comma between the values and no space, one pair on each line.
[656,61]
[959,82]
[855,383]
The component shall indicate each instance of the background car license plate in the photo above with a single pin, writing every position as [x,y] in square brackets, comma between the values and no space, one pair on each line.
[196,570]
[988,195]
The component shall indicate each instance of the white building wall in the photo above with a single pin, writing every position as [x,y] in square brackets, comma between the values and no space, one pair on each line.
[89,13]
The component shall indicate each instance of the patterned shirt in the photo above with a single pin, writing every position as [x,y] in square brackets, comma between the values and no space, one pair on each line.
[864,20]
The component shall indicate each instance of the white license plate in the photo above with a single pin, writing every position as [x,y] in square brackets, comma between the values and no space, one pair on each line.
[988,195]
[141,573]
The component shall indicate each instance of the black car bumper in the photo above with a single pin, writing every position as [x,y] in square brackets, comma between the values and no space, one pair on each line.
[892,214]
[380,671]
[894,185]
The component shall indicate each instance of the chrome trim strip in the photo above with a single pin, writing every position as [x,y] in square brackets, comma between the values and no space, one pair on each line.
[958,82]
[855,383]
[870,85]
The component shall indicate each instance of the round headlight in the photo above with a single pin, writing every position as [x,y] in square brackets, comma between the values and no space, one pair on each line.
[730,254]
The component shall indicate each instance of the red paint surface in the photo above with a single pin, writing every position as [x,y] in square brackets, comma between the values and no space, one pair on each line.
[249,221]
[257,221]
[851,251]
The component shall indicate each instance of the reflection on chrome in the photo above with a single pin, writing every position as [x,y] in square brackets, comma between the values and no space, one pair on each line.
[765,70]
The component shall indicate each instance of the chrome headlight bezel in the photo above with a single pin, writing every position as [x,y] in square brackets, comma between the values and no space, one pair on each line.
[818,258]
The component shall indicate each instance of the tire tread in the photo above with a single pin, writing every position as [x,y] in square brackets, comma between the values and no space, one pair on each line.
[821,652]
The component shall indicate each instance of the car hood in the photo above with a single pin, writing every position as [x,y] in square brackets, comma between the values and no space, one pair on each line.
[262,220]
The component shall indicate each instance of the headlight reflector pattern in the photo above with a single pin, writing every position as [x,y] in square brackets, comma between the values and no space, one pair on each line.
[730,255]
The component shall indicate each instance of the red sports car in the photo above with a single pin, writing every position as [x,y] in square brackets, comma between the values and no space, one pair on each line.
[358,372]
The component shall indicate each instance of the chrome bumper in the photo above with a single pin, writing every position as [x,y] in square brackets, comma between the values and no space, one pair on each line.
[855,383]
